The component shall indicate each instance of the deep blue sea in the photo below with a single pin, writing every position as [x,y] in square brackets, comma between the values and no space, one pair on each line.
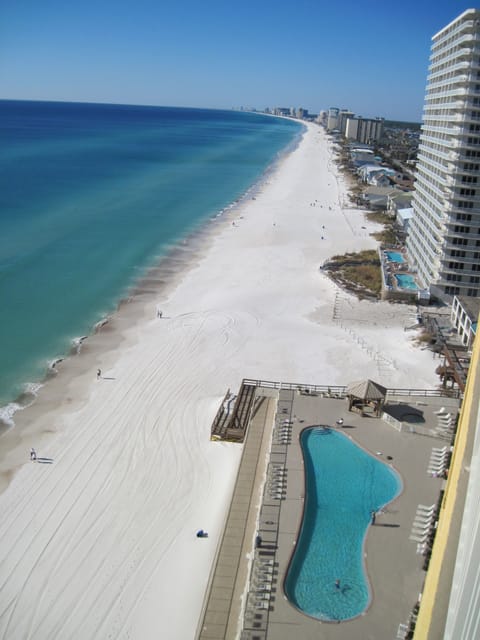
[92,195]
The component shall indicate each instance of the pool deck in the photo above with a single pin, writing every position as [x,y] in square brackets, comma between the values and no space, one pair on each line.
[269,502]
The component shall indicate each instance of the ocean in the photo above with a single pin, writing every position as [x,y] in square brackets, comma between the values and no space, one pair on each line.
[91,197]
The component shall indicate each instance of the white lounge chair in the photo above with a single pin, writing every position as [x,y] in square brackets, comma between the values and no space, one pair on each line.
[440,411]
[436,471]
[437,464]
[439,456]
[421,531]
[402,631]
[419,538]
[420,522]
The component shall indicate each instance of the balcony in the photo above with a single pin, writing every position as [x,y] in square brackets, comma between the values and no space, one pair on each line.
[463,64]
[467,27]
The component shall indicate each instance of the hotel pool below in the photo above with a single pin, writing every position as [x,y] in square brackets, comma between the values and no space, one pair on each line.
[394,256]
[406,281]
[344,484]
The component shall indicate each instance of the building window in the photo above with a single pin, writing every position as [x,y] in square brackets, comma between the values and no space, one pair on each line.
[474,279]
[458,253]
[452,291]
[472,293]
[464,216]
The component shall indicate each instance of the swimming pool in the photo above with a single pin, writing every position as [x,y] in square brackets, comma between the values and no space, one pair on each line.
[406,281]
[344,484]
[394,256]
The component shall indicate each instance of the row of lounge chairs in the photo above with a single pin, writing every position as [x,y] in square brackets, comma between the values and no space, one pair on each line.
[439,461]
[446,423]
[262,581]
[276,485]
[423,527]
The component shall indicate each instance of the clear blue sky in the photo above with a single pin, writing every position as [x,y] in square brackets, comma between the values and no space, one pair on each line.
[371,57]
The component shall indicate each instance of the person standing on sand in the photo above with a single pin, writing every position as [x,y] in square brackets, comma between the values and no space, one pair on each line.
[99,374]
[33,454]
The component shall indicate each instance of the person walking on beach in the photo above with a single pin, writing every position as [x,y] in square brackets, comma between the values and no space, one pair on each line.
[99,374]
[33,454]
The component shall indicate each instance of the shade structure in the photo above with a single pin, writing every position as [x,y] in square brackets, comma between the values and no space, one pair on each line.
[366,393]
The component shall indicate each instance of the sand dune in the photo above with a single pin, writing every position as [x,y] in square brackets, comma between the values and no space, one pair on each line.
[101,543]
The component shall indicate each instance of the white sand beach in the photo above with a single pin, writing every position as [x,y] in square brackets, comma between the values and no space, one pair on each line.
[101,542]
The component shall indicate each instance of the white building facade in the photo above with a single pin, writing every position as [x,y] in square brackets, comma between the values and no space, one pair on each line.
[366,130]
[444,236]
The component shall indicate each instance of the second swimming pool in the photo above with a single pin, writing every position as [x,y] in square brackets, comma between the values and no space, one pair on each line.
[394,256]
[344,484]
[406,281]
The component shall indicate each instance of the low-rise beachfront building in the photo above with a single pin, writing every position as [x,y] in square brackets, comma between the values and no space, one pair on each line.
[377,197]
[444,238]
[399,200]
[376,175]
[403,217]
[464,317]
[450,602]
[361,156]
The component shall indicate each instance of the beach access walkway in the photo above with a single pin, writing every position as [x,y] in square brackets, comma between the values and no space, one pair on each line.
[246,597]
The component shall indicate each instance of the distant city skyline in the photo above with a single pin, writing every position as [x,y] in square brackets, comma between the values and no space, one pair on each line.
[365,57]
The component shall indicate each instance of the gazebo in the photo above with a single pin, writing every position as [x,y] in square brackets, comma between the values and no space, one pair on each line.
[366,394]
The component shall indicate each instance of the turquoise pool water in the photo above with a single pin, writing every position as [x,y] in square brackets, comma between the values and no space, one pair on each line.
[406,281]
[344,484]
[394,256]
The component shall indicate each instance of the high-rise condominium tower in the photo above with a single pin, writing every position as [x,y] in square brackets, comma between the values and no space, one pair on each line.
[444,235]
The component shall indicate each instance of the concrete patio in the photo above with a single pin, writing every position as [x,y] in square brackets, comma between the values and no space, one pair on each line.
[246,598]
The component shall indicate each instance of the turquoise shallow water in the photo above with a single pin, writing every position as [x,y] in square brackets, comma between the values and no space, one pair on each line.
[94,194]
[344,485]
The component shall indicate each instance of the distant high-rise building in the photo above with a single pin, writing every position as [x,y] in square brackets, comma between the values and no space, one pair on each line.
[444,235]
[343,116]
[332,118]
[364,130]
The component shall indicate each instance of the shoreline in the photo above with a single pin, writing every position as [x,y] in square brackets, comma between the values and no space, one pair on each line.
[135,473]
[162,274]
